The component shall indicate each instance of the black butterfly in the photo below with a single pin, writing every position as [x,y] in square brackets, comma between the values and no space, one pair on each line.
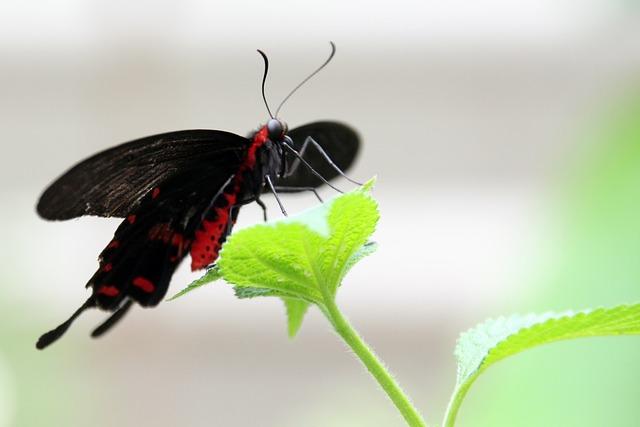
[180,192]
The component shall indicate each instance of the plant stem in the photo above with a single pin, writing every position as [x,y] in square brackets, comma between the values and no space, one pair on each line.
[456,400]
[373,365]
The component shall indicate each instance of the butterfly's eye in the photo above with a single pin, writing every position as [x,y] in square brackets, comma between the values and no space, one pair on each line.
[276,129]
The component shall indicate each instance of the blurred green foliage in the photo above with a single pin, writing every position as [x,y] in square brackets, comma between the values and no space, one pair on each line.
[35,388]
[591,259]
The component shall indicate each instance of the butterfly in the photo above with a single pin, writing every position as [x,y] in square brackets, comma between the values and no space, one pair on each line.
[180,193]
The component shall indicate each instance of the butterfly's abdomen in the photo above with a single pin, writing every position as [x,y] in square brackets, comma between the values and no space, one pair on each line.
[219,219]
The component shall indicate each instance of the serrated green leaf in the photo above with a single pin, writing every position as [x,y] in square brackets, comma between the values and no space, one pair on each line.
[246,292]
[211,275]
[303,257]
[364,251]
[351,221]
[496,339]
[276,257]
[296,310]
[368,186]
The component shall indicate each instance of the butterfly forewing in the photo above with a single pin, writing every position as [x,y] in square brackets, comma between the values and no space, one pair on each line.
[112,182]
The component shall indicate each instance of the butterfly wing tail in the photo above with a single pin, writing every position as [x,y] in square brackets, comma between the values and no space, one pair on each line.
[48,338]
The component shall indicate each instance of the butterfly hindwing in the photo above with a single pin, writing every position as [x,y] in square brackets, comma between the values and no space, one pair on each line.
[147,247]
[340,142]
[152,240]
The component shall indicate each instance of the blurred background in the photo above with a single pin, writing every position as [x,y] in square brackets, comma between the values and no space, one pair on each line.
[506,140]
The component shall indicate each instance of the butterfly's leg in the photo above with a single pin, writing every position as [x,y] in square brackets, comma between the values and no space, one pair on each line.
[233,217]
[264,208]
[310,141]
[275,194]
[258,201]
[296,162]
[297,189]
[313,171]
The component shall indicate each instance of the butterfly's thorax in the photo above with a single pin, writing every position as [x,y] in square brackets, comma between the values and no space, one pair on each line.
[262,157]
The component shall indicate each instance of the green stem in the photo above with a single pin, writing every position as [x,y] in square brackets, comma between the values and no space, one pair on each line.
[456,400]
[373,365]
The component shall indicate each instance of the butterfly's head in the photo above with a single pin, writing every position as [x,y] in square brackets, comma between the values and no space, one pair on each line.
[277,130]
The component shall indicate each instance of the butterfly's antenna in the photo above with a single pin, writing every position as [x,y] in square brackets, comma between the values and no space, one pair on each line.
[264,80]
[324,64]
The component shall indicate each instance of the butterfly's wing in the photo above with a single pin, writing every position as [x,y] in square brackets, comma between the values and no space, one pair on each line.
[150,243]
[113,181]
[190,173]
[340,142]
[138,263]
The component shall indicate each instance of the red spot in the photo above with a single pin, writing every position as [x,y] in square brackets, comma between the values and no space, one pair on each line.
[107,267]
[108,290]
[155,193]
[173,258]
[143,283]
[113,244]
[160,231]
[131,219]
[177,240]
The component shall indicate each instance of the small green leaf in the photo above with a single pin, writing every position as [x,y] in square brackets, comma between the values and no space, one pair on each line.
[351,221]
[211,275]
[497,339]
[302,258]
[364,251]
[296,310]
[246,292]
[368,186]
[276,257]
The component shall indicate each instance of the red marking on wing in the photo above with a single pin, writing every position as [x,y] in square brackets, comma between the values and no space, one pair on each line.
[107,267]
[155,193]
[143,283]
[165,234]
[108,290]
[160,231]
[113,244]
[178,240]
[131,219]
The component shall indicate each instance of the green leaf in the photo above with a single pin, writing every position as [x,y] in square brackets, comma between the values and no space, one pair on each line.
[302,258]
[276,257]
[246,292]
[296,310]
[351,221]
[211,275]
[494,340]
[364,251]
